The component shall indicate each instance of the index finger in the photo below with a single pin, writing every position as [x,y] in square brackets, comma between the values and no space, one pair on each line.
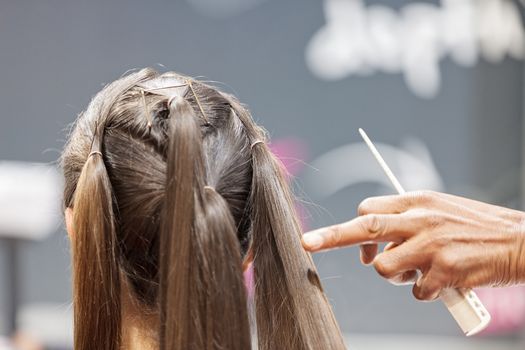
[363,229]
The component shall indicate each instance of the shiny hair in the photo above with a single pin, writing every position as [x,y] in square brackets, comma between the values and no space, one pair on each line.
[172,184]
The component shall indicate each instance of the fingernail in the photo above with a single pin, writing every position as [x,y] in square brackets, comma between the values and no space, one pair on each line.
[367,256]
[419,281]
[313,240]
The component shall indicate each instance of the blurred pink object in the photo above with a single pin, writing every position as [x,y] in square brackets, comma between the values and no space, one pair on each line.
[507,308]
[292,152]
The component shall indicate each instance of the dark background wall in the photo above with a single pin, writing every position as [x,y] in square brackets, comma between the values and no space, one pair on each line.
[55,55]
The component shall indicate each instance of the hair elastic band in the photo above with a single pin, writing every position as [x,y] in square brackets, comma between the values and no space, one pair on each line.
[171,99]
[95,152]
[256,142]
[209,188]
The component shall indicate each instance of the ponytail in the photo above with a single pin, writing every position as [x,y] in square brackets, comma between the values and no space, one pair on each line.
[96,274]
[291,308]
[292,311]
[202,296]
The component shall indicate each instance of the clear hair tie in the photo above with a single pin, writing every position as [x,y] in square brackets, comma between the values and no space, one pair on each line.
[255,143]
[172,98]
[94,152]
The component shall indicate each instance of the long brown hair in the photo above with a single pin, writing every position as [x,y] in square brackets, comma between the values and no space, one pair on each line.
[172,185]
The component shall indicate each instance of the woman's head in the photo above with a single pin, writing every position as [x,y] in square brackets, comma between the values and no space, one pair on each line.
[172,186]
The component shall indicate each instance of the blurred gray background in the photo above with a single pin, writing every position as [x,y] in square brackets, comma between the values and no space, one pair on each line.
[55,55]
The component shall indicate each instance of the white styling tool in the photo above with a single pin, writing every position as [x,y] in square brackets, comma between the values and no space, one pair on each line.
[464,305]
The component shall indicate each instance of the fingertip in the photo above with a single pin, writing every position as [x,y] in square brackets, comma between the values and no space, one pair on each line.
[423,292]
[312,241]
[367,253]
[383,266]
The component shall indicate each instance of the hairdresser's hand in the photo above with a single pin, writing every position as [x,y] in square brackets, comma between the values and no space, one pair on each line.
[453,241]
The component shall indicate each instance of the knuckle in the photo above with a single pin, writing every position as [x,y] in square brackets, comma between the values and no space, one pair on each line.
[364,207]
[428,195]
[438,241]
[421,198]
[446,263]
[428,220]
[336,235]
[434,220]
[373,225]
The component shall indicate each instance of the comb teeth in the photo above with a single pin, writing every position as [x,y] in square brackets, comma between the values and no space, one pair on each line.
[467,309]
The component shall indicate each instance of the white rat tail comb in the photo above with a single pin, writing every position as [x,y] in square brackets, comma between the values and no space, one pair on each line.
[464,305]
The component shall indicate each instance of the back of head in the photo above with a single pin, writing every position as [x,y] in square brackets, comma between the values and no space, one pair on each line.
[172,185]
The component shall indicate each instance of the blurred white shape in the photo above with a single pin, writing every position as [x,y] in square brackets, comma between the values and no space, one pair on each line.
[421,50]
[223,8]
[49,323]
[359,40]
[500,30]
[382,341]
[458,26]
[29,200]
[5,344]
[384,31]
[353,164]
[338,45]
